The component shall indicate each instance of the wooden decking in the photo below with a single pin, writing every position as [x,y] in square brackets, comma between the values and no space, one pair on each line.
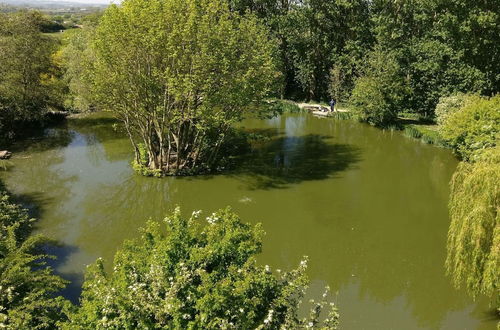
[318,107]
[319,110]
[4,154]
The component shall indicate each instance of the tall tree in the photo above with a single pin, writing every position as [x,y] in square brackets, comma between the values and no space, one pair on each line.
[25,68]
[380,92]
[179,74]
[443,46]
[322,35]
[78,57]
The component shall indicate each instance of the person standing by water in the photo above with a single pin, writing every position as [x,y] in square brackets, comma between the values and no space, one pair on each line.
[332,105]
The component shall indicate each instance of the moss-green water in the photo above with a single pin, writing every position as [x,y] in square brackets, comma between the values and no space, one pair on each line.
[369,208]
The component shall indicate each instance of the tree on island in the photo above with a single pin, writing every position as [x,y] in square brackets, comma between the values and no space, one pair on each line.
[179,74]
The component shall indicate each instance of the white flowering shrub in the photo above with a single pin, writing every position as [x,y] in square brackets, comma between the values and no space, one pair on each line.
[448,105]
[192,274]
[27,286]
[474,127]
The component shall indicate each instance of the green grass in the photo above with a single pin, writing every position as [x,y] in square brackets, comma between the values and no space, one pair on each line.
[289,107]
[341,115]
[427,133]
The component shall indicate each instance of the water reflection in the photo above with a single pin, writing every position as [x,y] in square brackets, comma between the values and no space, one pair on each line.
[368,207]
[292,159]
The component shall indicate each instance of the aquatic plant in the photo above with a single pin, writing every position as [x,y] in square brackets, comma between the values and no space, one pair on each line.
[412,132]
[342,115]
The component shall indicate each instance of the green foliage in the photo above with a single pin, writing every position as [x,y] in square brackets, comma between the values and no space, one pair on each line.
[427,133]
[442,47]
[412,132]
[317,52]
[179,74]
[181,274]
[27,285]
[379,94]
[25,69]
[434,69]
[274,108]
[141,164]
[474,127]
[474,236]
[341,115]
[78,59]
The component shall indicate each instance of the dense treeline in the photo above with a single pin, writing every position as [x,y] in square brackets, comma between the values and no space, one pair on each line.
[382,57]
[29,76]
[414,51]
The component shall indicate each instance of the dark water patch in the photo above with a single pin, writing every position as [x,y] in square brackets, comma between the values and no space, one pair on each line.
[289,160]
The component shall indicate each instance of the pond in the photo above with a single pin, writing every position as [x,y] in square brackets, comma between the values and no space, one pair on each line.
[369,208]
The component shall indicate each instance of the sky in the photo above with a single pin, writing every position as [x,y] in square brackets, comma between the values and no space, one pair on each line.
[88,1]
[66,1]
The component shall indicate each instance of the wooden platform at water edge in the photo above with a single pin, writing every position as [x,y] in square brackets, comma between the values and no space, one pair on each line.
[319,110]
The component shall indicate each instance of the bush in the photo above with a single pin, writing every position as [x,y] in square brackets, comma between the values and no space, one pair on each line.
[474,127]
[194,277]
[474,236]
[27,286]
[378,95]
[448,105]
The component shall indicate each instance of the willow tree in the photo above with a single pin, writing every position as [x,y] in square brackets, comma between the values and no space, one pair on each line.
[474,235]
[179,74]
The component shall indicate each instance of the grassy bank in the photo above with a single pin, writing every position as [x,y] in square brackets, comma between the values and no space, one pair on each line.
[424,132]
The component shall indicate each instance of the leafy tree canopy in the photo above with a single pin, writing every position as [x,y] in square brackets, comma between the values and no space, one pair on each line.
[179,74]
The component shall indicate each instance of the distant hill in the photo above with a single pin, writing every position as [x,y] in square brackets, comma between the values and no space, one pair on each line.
[53,4]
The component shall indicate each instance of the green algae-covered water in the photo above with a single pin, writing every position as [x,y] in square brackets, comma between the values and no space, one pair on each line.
[368,207]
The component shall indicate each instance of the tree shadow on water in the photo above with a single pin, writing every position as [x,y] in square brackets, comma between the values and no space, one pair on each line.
[287,160]
[43,140]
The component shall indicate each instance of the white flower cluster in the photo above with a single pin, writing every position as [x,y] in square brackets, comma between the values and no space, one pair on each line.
[213,219]
[269,317]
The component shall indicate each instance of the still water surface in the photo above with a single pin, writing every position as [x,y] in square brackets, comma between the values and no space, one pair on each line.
[368,207]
